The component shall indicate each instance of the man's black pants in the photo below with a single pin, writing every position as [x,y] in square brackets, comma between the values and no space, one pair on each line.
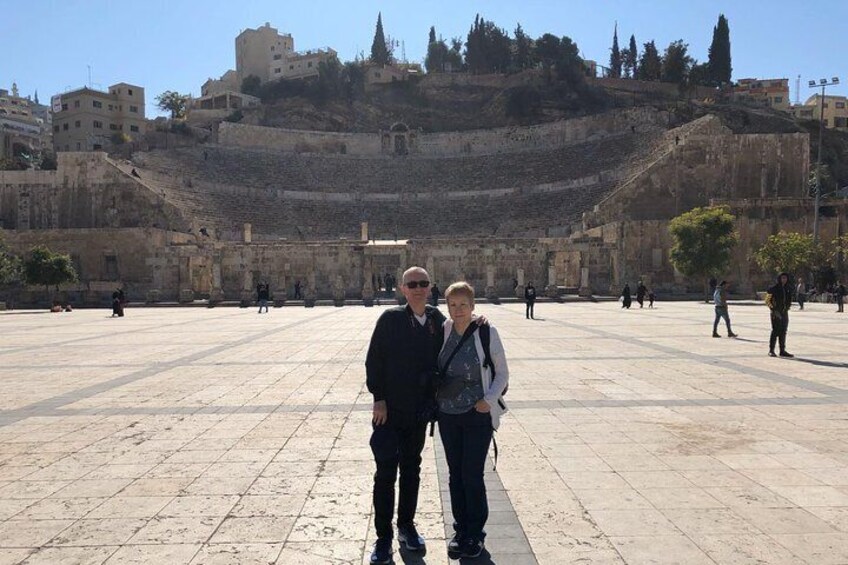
[528,311]
[396,446]
[778,330]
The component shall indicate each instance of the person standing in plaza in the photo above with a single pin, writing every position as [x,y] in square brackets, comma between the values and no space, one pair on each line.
[801,294]
[641,291]
[651,298]
[401,369]
[297,293]
[435,293]
[529,300]
[263,294]
[839,292]
[720,302]
[470,402]
[779,299]
[626,299]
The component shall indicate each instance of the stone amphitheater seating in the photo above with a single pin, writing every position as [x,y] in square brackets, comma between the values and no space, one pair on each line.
[308,196]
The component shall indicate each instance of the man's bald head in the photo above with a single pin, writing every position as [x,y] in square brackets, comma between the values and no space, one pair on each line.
[415,273]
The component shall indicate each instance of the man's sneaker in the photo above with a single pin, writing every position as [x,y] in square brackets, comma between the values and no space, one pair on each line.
[715,334]
[772,353]
[382,554]
[732,335]
[408,537]
[785,353]
[471,548]
[455,546]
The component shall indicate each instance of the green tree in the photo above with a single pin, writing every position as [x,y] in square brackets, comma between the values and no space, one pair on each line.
[631,62]
[825,178]
[699,73]
[676,62]
[437,53]
[251,85]
[569,65]
[650,63]
[432,37]
[615,55]
[789,252]
[43,266]
[10,265]
[488,48]
[702,240]
[379,50]
[522,57]
[719,61]
[173,102]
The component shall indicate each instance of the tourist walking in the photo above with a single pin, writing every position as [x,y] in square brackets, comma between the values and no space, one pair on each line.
[651,298]
[840,293]
[297,293]
[626,299]
[401,368]
[641,291]
[470,402]
[529,300]
[263,295]
[118,300]
[720,302]
[779,299]
[801,294]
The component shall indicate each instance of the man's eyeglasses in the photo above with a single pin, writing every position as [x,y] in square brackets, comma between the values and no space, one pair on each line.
[416,284]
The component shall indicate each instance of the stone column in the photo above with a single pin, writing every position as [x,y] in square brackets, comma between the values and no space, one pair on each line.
[519,290]
[248,232]
[216,294]
[551,291]
[338,291]
[246,287]
[363,231]
[186,289]
[585,289]
[156,264]
[310,294]
[491,290]
[280,292]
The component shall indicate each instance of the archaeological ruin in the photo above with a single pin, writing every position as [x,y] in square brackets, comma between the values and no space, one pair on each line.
[577,204]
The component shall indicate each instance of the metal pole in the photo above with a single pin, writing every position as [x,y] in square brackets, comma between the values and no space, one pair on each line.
[818,170]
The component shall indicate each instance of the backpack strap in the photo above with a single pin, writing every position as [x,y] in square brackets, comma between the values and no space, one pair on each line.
[485,341]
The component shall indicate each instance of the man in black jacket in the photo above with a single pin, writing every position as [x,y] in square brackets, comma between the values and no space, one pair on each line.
[779,299]
[401,367]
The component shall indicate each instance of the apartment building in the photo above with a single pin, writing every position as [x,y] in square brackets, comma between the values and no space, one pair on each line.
[89,120]
[773,93]
[835,109]
[22,124]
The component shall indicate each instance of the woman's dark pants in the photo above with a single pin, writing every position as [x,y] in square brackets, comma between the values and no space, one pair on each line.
[466,438]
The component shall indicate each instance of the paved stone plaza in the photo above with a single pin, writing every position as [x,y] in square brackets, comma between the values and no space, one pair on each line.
[219,436]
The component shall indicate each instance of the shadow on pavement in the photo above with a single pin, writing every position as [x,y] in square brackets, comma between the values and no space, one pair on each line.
[823,363]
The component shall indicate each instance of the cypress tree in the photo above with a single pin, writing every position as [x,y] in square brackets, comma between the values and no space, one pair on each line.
[379,51]
[633,56]
[720,69]
[615,56]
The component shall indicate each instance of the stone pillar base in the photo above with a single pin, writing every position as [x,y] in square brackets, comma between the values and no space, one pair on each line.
[246,299]
[584,291]
[153,295]
[492,294]
[552,291]
[368,302]
[279,302]
[216,296]
[519,292]
[186,295]
[2,306]
[309,302]
[92,298]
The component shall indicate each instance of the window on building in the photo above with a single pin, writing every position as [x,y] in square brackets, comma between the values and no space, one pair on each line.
[840,122]
[78,146]
[97,147]
[377,74]
[778,99]
[97,103]
[826,123]
[110,108]
[291,67]
[64,127]
[134,128]
[824,105]
[77,124]
[277,71]
[134,109]
[98,125]
[56,128]
[840,105]
[67,147]
[277,57]
[64,107]
[309,64]
[76,104]
[129,91]
[113,127]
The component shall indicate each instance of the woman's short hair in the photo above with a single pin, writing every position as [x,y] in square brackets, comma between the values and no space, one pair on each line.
[461,288]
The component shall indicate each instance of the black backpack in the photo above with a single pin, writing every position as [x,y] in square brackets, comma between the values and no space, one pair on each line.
[485,340]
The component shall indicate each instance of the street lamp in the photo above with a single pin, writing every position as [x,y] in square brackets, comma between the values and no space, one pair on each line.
[823,83]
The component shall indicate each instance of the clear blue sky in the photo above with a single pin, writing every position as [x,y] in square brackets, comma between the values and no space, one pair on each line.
[178,44]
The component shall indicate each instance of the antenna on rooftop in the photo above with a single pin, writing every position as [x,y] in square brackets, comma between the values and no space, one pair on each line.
[798,90]
[403,51]
[89,75]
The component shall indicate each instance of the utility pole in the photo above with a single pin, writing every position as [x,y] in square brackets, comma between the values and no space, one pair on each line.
[823,83]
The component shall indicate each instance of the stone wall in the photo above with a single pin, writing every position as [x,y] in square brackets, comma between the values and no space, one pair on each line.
[86,191]
[477,142]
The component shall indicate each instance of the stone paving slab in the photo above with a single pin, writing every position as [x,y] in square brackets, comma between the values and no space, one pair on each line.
[222,436]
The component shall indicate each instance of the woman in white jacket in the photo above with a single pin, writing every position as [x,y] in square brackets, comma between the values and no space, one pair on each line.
[470,406]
